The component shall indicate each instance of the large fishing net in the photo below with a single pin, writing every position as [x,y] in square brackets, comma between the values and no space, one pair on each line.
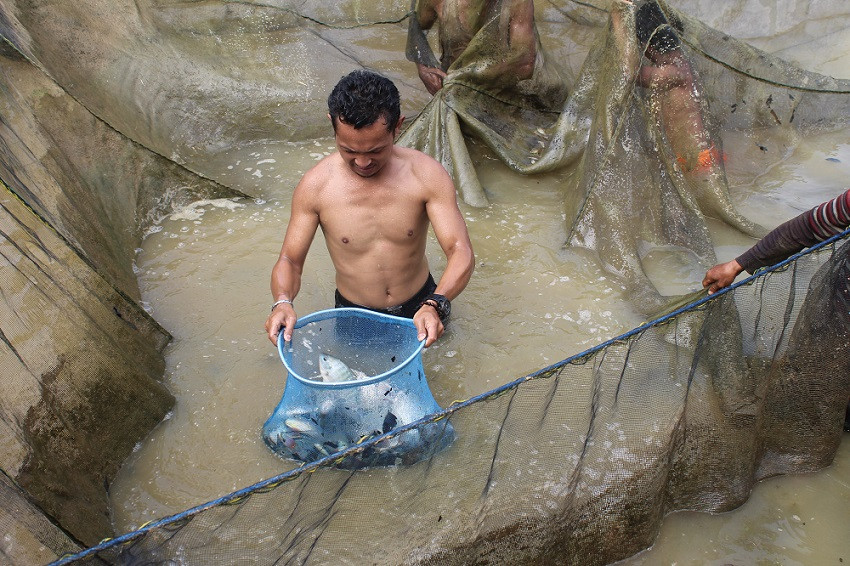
[575,464]
[658,107]
[648,139]
[112,109]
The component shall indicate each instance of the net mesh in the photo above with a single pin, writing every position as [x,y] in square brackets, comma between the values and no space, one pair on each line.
[630,109]
[578,462]
[329,404]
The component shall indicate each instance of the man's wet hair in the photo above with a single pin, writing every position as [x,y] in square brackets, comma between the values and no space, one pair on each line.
[361,97]
[651,25]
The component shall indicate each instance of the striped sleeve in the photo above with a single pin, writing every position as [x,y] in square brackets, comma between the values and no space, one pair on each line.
[830,218]
[813,226]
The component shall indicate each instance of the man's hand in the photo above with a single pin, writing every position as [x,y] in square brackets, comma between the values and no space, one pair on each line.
[428,324]
[432,77]
[283,316]
[721,275]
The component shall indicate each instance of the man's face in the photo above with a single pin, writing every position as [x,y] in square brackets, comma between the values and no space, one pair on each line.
[368,149]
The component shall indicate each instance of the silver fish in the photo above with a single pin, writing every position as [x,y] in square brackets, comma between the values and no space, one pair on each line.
[334,370]
[302,426]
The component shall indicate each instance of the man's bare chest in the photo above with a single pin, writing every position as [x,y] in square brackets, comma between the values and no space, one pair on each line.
[358,226]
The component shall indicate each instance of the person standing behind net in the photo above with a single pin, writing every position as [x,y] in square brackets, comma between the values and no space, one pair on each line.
[459,21]
[676,102]
[803,231]
[671,79]
[374,201]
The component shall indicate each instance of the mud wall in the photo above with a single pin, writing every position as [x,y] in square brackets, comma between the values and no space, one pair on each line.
[81,360]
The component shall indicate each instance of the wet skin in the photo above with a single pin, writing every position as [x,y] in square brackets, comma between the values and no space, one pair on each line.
[374,202]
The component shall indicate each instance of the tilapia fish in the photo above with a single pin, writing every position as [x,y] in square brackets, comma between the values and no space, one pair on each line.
[334,370]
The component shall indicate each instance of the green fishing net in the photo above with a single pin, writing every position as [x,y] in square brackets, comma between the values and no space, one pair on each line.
[648,154]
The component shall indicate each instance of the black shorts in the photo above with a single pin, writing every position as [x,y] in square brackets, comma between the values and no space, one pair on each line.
[406,310]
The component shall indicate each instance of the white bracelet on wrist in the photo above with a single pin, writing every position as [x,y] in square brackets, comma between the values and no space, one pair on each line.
[281,302]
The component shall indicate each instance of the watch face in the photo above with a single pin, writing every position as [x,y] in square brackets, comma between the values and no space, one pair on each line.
[444,307]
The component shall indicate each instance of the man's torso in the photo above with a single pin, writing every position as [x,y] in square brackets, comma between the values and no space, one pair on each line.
[376,229]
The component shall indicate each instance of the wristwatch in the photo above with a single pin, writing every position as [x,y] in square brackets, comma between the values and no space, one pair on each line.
[441,304]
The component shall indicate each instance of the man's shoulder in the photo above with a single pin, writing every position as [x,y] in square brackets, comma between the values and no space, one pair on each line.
[426,175]
[419,161]
[312,187]
[321,172]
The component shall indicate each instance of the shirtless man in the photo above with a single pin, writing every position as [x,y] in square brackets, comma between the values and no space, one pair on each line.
[374,202]
[460,20]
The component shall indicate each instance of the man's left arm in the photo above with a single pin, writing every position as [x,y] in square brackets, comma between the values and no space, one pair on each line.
[452,235]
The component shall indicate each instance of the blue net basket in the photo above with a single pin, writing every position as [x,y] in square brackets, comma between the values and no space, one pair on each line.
[380,387]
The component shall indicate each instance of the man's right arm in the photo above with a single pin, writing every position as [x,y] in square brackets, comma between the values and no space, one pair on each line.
[425,12]
[286,273]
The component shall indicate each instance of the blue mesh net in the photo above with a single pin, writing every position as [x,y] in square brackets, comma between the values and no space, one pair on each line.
[354,374]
